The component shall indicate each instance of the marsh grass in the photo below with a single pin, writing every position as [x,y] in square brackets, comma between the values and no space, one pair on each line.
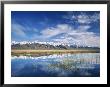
[71,64]
[48,52]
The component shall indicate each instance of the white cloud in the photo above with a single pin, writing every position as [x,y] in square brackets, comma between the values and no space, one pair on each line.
[21,32]
[49,32]
[83,28]
[53,31]
[35,30]
[73,17]
[80,37]
[70,36]
[83,18]
[18,29]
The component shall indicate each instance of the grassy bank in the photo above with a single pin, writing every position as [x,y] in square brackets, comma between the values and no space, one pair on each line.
[48,52]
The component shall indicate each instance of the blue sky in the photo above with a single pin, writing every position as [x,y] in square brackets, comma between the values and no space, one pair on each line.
[69,27]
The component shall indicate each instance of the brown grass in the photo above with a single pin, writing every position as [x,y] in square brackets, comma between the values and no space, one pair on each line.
[52,51]
[48,52]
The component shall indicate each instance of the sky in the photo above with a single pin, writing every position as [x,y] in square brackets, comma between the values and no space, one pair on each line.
[68,27]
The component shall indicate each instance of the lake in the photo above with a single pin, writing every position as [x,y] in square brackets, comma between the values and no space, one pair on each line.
[56,65]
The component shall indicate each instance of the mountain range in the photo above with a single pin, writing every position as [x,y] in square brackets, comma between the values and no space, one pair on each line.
[46,46]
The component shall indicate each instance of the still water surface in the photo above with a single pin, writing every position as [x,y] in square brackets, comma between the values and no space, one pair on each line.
[57,65]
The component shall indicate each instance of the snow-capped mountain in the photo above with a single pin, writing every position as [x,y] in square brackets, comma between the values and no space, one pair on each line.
[32,42]
[45,45]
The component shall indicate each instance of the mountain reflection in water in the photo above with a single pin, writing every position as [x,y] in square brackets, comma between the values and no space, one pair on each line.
[57,65]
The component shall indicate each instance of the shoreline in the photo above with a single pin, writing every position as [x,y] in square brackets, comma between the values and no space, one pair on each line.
[49,52]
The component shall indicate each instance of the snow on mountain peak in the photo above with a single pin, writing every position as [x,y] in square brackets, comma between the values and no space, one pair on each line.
[50,43]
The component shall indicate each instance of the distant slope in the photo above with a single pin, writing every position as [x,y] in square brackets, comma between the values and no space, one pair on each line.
[38,46]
